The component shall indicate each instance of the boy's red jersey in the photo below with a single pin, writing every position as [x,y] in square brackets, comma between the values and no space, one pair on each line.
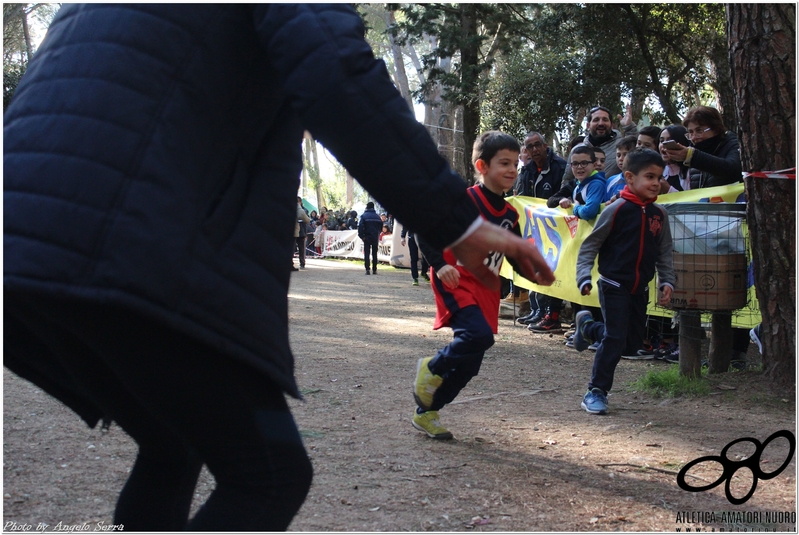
[471,291]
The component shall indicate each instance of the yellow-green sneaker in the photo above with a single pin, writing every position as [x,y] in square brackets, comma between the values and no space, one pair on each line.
[429,423]
[426,384]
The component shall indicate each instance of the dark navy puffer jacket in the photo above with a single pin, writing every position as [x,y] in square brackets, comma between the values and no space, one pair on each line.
[152,155]
[370,226]
[716,162]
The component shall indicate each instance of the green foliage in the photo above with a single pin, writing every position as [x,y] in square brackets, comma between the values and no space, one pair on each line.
[334,188]
[12,73]
[16,54]
[667,57]
[495,30]
[669,383]
[535,89]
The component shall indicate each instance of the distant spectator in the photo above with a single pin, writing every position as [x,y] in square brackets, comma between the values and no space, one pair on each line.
[675,175]
[616,183]
[318,237]
[300,233]
[599,163]
[714,155]
[649,137]
[713,159]
[352,221]
[369,229]
[590,190]
[542,175]
[602,134]
[573,142]
[540,178]
[414,256]
[385,232]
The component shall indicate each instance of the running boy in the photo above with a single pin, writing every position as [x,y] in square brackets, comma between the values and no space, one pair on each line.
[462,302]
[632,238]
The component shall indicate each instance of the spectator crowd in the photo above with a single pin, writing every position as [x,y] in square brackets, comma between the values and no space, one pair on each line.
[338,219]
[699,153]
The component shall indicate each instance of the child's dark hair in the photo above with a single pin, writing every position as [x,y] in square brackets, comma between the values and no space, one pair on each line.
[490,143]
[641,158]
[600,150]
[574,142]
[651,131]
[627,143]
[585,149]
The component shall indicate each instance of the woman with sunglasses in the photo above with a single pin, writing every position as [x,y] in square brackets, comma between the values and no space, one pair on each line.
[713,157]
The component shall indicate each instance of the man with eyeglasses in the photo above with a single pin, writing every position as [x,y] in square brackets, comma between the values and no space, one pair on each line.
[540,178]
[542,175]
[602,134]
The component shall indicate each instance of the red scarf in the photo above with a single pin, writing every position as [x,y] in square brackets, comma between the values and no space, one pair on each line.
[628,195]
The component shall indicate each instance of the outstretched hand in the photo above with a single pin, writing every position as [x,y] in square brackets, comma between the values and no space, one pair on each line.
[628,117]
[488,237]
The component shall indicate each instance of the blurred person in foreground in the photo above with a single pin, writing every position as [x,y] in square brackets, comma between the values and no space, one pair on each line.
[151,164]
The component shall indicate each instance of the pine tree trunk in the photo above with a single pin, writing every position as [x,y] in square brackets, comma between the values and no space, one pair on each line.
[762,41]
[26,32]
[725,95]
[400,75]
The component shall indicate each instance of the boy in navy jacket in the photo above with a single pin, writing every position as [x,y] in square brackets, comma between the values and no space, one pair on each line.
[633,239]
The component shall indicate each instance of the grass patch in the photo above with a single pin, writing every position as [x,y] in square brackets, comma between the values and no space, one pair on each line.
[669,383]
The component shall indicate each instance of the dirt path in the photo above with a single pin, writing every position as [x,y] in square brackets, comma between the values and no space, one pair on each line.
[525,458]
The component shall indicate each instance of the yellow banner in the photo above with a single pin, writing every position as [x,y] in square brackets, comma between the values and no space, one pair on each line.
[558,236]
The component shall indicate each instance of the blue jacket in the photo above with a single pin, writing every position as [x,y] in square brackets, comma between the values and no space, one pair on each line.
[613,186]
[589,193]
[151,156]
[370,226]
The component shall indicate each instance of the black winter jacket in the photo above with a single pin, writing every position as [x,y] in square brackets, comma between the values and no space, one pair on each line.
[716,162]
[370,226]
[632,240]
[541,185]
[152,155]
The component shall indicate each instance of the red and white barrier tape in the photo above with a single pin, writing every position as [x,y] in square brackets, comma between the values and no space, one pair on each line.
[787,174]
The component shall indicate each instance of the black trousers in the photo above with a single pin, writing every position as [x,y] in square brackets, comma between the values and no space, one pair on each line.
[544,302]
[301,249]
[184,403]
[370,249]
[413,252]
[623,330]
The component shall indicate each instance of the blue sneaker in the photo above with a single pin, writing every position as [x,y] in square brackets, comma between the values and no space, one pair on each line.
[582,319]
[595,402]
